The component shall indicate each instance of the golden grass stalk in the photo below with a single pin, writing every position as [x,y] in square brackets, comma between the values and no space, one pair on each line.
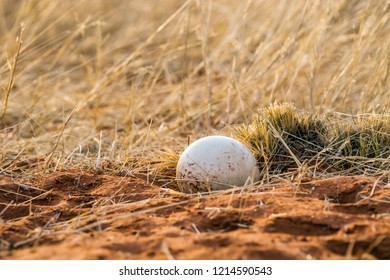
[12,68]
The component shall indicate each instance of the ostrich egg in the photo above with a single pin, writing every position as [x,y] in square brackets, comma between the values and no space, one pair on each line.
[215,163]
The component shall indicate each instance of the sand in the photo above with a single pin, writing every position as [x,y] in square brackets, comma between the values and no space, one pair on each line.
[83,215]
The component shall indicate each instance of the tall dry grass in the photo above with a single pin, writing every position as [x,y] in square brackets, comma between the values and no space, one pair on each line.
[104,84]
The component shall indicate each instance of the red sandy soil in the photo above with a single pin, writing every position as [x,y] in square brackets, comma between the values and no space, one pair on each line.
[82,215]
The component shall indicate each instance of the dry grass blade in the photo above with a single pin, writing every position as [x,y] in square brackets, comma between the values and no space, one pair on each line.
[274,130]
[49,158]
[6,207]
[12,68]
[37,235]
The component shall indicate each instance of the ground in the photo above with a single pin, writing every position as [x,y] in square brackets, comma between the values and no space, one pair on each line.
[78,214]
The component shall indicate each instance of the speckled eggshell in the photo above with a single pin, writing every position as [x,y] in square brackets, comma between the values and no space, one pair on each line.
[215,163]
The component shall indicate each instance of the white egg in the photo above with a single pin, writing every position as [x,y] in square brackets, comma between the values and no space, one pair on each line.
[215,163]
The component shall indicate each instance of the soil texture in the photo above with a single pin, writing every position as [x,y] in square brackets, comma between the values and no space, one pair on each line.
[83,215]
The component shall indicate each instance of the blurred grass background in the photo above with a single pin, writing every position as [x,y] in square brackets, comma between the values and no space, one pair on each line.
[106,84]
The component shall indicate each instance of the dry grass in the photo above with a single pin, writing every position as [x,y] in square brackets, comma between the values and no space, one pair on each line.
[283,138]
[105,84]
[280,137]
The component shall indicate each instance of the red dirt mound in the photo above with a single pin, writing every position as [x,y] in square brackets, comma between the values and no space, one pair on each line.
[82,215]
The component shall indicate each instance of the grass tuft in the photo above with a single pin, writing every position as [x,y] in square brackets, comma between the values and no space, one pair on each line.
[304,135]
[281,135]
[366,136]
[362,143]
[164,163]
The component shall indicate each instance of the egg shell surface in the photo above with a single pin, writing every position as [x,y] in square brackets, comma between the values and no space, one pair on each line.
[215,163]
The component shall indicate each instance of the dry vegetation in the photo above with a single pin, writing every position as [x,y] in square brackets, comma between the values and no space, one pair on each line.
[116,80]
[119,87]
